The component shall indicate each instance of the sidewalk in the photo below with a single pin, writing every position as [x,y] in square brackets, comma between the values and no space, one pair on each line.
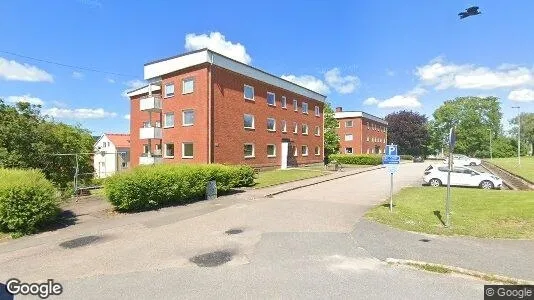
[512,258]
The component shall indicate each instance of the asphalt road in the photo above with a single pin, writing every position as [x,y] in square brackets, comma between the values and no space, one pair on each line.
[297,244]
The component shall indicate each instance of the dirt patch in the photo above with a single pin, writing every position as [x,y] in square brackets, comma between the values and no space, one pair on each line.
[233,231]
[212,259]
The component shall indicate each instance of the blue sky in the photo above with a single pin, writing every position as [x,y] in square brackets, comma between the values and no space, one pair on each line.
[376,56]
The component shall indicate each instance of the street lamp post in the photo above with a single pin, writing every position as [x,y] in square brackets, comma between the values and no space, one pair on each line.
[518,134]
[491,149]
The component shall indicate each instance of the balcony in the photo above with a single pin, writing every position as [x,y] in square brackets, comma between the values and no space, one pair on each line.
[150,133]
[150,160]
[151,103]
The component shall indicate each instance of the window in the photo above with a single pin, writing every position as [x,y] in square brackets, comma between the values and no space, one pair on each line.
[145,149]
[168,120]
[158,124]
[146,124]
[157,150]
[338,124]
[295,105]
[169,150]
[367,125]
[305,129]
[248,92]
[284,102]
[188,85]
[295,151]
[348,137]
[304,108]
[284,126]
[271,99]
[169,90]
[349,124]
[187,150]
[348,150]
[304,150]
[271,150]
[188,117]
[368,139]
[271,124]
[295,127]
[248,150]
[368,150]
[317,111]
[317,130]
[317,150]
[248,121]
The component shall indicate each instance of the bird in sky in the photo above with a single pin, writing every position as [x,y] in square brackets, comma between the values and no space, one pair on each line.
[471,11]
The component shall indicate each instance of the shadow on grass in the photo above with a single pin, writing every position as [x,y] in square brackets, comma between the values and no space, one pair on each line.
[437,213]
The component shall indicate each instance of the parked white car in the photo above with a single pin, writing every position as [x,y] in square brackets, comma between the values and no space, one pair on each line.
[463,160]
[461,176]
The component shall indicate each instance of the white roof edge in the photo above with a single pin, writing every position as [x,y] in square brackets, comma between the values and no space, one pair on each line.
[163,67]
[143,90]
[359,114]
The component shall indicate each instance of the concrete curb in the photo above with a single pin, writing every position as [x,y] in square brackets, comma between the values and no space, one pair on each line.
[458,270]
[526,182]
[324,180]
[511,187]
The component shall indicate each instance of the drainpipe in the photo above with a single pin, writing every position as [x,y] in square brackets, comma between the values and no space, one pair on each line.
[210,103]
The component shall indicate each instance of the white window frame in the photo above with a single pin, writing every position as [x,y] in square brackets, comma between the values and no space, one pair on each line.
[274,147]
[145,149]
[317,131]
[317,111]
[351,150]
[284,126]
[165,120]
[295,128]
[351,124]
[274,124]
[367,125]
[183,85]
[253,150]
[183,150]
[245,94]
[183,117]
[165,90]
[305,111]
[253,121]
[304,126]
[165,150]
[283,102]
[304,147]
[368,139]
[274,99]
[295,105]
[295,151]
[317,151]
[351,137]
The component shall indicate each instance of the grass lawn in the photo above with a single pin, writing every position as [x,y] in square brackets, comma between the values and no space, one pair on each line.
[474,212]
[526,169]
[274,177]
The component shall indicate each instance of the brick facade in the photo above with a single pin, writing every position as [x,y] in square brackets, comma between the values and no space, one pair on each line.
[368,135]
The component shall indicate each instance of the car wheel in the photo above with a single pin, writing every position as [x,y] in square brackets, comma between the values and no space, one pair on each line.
[486,184]
[435,182]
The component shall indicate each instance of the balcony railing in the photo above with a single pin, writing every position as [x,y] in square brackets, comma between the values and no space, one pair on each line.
[150,133]
[151,103]
[150,160]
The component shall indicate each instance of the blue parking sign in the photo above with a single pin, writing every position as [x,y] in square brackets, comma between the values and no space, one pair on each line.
[391,150]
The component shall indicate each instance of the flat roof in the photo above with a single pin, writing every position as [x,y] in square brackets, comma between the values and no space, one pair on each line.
[359,114]
[158,68]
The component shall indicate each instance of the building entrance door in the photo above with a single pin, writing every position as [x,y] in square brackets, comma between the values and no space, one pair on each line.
[284,154]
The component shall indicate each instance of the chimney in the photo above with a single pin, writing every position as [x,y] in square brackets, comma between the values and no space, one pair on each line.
[339,109]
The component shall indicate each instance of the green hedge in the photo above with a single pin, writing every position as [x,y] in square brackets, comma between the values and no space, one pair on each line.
[406,157]
[149,187]
[27,201]
[351,159]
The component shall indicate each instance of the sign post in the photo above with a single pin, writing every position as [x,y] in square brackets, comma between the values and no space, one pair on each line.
[392,161]
[452,142]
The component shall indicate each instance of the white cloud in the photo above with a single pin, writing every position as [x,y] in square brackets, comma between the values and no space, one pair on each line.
[217,42]
[77,75]
[127,117]
[522,95]
[110,80]
[25,98]
[78,113]
[342,84]
[371,101]
[444,75]
[309,82]
[408,100]
[14,71]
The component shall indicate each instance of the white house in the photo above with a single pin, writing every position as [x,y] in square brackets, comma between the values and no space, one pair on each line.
[112,154]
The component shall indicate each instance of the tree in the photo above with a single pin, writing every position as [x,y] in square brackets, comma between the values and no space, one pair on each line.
[331,139]
[409,131]
[29,140]
[474,118]
[527,131]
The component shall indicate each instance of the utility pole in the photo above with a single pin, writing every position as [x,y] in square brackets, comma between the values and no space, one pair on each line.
[518,134]
[491,152]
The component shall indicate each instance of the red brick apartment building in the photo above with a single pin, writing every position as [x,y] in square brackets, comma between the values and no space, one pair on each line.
[360,132]
[203,107]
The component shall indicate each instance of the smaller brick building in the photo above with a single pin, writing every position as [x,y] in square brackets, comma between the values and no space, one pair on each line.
[360,132]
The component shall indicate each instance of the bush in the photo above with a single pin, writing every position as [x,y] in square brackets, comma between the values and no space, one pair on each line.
[28,201]
[149,187]
[351,159]
[406,157]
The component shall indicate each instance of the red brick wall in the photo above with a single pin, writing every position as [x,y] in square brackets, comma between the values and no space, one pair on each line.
[360,133]
[230,135]
[137,118]
[376,133]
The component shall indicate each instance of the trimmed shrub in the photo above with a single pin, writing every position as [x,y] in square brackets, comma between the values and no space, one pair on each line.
[28,201]
[351,159]
[149,187]
[406,157]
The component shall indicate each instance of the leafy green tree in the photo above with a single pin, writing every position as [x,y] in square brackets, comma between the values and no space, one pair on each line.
[527,131]
[409,131]
[331,139]
[474,118]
